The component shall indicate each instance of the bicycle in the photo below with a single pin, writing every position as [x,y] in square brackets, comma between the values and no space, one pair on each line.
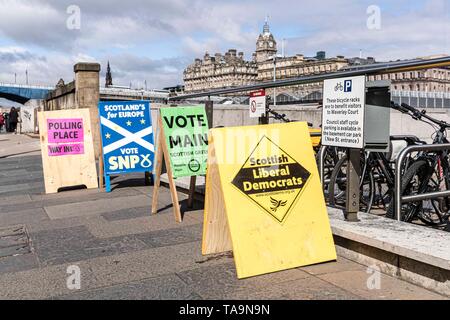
[377,181]
[429,173]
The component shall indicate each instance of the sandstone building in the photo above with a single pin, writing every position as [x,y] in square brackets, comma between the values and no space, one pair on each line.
[231,70]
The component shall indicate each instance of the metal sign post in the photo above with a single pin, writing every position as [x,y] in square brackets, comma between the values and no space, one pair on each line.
[343,126]
[353,184]
[264,118]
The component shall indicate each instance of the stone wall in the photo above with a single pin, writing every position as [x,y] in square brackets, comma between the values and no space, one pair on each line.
[61,98]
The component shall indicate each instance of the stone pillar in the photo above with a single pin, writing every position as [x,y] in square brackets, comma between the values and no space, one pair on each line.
[87,95]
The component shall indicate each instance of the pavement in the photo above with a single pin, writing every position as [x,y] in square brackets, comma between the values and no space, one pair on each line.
[124,252]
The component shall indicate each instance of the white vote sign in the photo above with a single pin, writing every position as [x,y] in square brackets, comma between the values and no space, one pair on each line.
[344,100]
[257,103]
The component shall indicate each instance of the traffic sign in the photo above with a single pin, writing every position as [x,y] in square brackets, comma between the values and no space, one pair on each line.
[257,103]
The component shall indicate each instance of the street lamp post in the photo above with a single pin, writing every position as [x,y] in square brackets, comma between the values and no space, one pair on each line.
[274,80]
[274,58]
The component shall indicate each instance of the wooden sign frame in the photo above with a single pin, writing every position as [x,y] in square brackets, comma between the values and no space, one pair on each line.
[216,231]
[162,151]
[68,170]
[267,205]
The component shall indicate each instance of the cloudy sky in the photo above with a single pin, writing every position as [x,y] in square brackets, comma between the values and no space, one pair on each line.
[154,40]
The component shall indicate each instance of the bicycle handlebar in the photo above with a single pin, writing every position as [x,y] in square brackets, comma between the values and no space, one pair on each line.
[418,115]
[409,108]
[399,107]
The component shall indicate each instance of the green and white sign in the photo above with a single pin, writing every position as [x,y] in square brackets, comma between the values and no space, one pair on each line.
[186,131]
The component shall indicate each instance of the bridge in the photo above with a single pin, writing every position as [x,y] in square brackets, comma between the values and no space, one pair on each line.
[24,93]
[114,93]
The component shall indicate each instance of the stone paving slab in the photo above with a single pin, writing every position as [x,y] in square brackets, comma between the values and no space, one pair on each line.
[390,288]
[16,188]
[11,200]
[8,173]
[11,231]
[41,201]
[6,168]
[170,237]
[98,206]
[310,288]
[13,240]
[100,272]
[80,195]
[139,225]
[220,281]
[15,250]
[168,287]
[31,217]
[77,243]
[47,224]
[19,263]
[24,159]
[125,214]
[20,180]
[29,190]
[342,265]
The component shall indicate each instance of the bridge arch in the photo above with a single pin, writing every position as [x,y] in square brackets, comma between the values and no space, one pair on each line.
[22,94]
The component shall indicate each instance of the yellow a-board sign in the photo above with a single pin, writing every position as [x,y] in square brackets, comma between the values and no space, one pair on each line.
[264,200]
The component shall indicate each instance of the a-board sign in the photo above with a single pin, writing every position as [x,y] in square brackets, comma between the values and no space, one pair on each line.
[257,103]
[343,112]
[67,149]
[264,199]
[186,132]
[127,137]
[182,143]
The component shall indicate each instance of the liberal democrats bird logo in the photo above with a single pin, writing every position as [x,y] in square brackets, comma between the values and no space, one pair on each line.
[277,204]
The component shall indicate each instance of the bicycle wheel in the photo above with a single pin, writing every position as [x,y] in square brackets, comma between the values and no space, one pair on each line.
[330,160]
[337,189]
[419,178]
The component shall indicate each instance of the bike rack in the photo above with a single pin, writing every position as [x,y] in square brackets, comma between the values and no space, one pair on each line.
[399,199]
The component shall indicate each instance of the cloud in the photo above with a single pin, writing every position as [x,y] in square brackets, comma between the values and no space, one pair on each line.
[158,73]
[155,40]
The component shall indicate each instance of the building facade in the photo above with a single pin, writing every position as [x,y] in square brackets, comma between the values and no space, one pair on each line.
[232,70]
[219,71]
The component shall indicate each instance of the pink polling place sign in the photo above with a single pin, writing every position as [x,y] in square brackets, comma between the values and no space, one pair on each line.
[65,137]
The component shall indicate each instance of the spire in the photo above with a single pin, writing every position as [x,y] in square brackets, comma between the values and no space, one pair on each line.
[108,80]
[266,29]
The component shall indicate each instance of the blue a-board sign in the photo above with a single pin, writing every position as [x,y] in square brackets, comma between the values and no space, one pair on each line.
[127,138]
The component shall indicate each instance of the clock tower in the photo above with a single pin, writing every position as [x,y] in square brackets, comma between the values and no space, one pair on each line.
[266,46]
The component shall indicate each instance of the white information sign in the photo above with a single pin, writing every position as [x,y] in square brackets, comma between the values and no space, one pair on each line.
[343,112]
[257,104]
